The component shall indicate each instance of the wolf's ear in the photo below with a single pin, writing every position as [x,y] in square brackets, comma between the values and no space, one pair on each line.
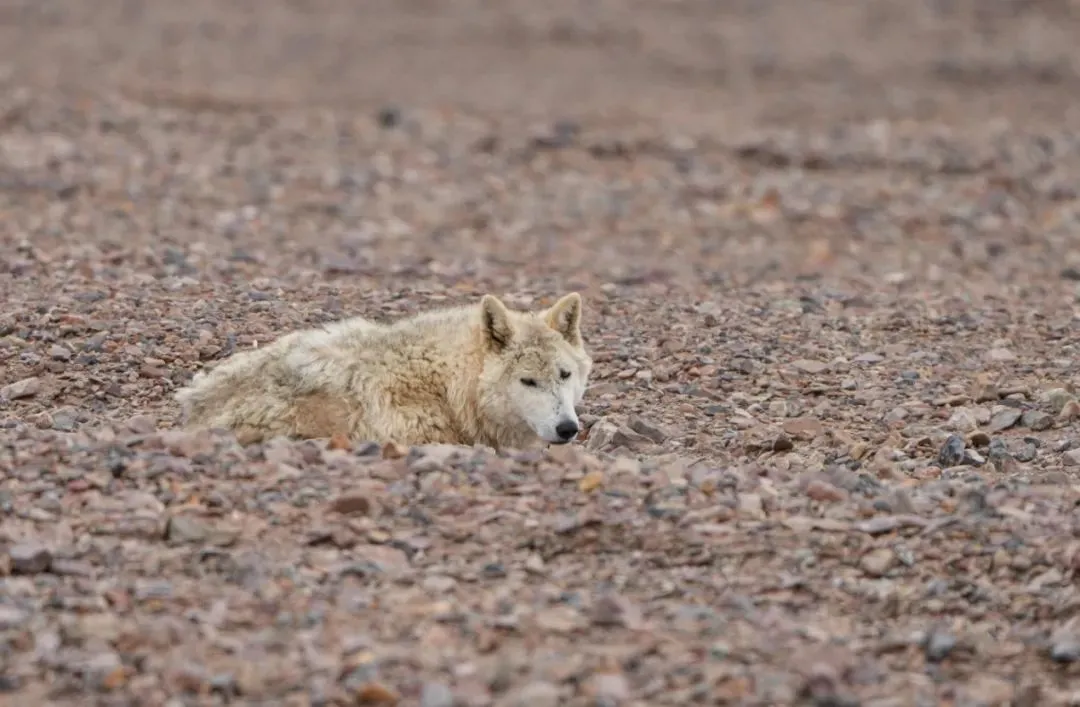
[495,321]
[565,317]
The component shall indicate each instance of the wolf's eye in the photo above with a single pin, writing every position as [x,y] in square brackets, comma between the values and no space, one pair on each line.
[564,374]
[529,382]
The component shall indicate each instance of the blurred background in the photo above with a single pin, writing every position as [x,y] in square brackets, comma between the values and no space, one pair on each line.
[591,141]
[692,64]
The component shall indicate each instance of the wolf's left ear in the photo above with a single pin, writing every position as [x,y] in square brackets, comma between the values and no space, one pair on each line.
[565,317]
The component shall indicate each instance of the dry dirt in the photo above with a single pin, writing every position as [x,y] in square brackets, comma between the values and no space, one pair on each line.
[829,257]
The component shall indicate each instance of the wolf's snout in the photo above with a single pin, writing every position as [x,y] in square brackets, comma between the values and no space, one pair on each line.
[567,430]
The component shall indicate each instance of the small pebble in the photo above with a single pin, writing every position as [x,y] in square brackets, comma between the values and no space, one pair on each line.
[938,645]
[436,694]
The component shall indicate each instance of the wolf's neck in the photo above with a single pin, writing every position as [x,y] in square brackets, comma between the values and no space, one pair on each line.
[462,390]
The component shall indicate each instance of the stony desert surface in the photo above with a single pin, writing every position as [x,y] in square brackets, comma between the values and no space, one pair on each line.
[829,256]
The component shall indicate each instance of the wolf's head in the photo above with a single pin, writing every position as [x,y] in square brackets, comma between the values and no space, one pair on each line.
[535,367]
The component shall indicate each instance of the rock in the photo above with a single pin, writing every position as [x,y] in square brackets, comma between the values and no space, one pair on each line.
[901,502]
[782,443]
[29,558]
[601,435]
[534,564]
[608,688]
[279,450]
[779,408]
[973,458]
[998,450]
[648,429]
[64,420]
[751,506]
[1026,452]
[436,694]
[104,670]
[606,435]
[37,152]
[614,610]
[150,370]
[432,457]
[805,428]
[938,645]
[985,393]
[101,625]
[361,499]
[1071,457]
[393,450]
[591,481]
[187,529]
[812,367]
[25,388]
[625,437]
[188,444]
[559,619]
[375,693]
[1037,420]
[383,558]
[59,353]
[1000,355]
[897,414]
[534,694]
[744,366]
[740,419]
[350,504]
[388,117]
[12,617]
[141,424]
[626,465]
[962,420]
[824,491]
[71,568]
[877,562]
[1065,647]
[1004,419]
[952,452]
[43,420]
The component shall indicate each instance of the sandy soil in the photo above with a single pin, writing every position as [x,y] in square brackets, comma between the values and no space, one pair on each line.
[829,257]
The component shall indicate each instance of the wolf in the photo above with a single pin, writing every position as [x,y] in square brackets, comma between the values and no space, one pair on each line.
[475,374]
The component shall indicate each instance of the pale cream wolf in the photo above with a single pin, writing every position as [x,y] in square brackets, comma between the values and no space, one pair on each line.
[468,375]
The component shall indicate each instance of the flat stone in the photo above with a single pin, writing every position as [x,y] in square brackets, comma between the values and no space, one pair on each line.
[25,388]
[803,427]
[12,617]
[877,562]
[812,367]
[648,429]
[29,558]
[1037,420]
[1004,419]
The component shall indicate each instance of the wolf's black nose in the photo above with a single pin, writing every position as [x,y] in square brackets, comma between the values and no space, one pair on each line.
[567,430]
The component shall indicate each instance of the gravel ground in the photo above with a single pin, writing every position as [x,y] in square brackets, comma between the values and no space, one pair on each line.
[829,258]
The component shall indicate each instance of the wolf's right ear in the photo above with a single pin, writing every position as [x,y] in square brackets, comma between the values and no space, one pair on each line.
[495,321]
[565,317]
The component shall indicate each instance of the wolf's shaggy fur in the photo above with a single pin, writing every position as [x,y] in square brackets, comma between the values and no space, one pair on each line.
[480,374]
